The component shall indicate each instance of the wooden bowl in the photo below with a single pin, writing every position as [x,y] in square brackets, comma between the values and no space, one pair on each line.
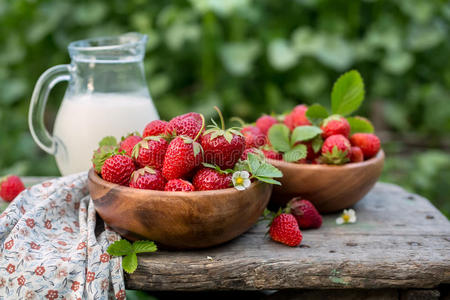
[180,220]
[330,188]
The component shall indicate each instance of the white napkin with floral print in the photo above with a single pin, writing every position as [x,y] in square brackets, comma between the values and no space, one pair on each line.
[49,247]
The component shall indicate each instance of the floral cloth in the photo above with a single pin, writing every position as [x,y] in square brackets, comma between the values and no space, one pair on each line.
[49,248]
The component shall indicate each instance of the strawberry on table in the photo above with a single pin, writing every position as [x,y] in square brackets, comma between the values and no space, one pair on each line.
[305,213]
[127,144]
[211,179]
[150,152]
[118,169]
[222,147]
[254,137]
[10,187]
[147,179]
[179,185]
[265,122]
[284,229]
[335,124]
[336,150]
[297,117]
[356,154]
[368,142]
[190,125]
[156,127]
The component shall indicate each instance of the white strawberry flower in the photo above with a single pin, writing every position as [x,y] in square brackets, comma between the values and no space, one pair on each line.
[348,216]
[241,180]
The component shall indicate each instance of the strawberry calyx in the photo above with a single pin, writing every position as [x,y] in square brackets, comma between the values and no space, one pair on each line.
[144,144]
[331,118]
[102,154]
[335,157]
[217,131]
[141,172]
[134,133]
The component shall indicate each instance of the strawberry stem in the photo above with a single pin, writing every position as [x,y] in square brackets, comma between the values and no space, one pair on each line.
[201,129]
[220,116]
[239,120]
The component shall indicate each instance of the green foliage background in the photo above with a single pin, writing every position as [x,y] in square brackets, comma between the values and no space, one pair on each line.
[249,57]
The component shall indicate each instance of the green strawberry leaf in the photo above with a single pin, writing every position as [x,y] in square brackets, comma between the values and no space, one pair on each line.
[347,94]
[108,141]
[317,144]
[197,148]
[130,263]
[304,133]
[279,137]
[316,113]
[253,162]
[144,246]
[359,124]
[267,170]
[295,154]
[268,180]
[119,248]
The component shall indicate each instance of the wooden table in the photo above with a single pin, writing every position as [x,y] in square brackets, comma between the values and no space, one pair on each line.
[399,246]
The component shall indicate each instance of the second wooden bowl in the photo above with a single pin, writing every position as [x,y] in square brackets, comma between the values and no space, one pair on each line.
[329,188]
[180,220]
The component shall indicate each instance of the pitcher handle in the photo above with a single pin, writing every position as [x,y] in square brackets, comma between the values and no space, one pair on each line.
[45,83]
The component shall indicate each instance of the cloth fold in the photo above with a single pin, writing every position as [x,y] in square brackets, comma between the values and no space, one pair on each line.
[49,248]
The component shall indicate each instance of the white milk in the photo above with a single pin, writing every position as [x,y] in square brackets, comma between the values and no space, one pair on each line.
[83,121]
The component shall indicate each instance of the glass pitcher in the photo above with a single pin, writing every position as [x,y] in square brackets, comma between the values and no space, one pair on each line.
[107,95]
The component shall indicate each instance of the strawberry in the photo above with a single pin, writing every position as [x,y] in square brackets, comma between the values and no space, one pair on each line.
[368,142]
[10,187]
[247,151]
[211,179]
[150,152]
[284,229]
[265,122]
[305,213]
[147,179]
[100,155]
[156,127]
[335,124]
[336,150]
[356,154]
[272,154]
[179,185]
[127,144]
[297,117]
[118,169]
[182,156]
[254,137]
[222,147]
[189,124]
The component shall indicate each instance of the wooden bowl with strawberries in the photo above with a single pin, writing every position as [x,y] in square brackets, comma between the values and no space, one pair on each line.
[329,187]
[178,220]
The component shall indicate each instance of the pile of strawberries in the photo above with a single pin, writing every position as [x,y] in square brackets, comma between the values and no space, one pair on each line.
[286,224]
[169,156]
[332,143]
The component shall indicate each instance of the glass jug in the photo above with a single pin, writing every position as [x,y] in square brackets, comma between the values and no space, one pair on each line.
[107,95]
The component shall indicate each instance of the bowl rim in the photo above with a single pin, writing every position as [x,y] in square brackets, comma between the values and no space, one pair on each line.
[93,176]
[377,158]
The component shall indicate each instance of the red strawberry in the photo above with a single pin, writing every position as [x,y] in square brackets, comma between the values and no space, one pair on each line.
[210,179]
[156,127]
[368,142]
[297,117]
[150,152]
[247,151]
[222,147]
[100,155]
[335,124]
[265,122]
[10,187]
[127,144]
[118,169]
[336,150]
[189,124]
[284,229]
[356,154]
[306,214]
[254,137]
[272,154]
[182,156]
[147,179]
[179,185]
